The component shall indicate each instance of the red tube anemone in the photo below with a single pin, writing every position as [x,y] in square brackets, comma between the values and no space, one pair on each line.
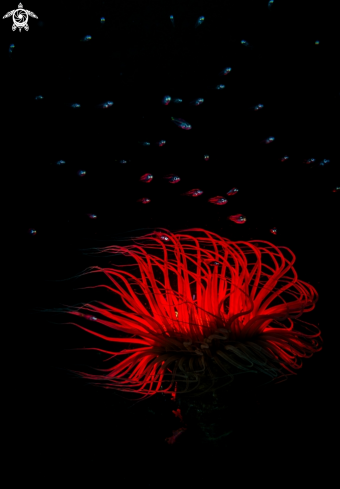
[198,311]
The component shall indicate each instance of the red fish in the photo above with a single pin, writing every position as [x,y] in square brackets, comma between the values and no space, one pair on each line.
[172,178]
[218,200]
[147,177]
[238,218]
[194,192]
[233,191]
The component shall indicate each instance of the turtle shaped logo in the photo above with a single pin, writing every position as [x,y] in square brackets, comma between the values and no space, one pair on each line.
[20,18]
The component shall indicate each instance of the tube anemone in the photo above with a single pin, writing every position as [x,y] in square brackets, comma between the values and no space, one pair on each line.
[199,310]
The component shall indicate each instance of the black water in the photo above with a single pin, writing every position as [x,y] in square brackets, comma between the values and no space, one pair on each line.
[134,59]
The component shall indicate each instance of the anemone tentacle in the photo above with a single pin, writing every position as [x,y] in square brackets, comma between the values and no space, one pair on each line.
[200,309]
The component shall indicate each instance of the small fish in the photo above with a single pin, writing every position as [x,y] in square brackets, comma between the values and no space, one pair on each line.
[194,192]
[336,189]
[324,162]
[244,43]
[309,161]
[225,71]
[172,20]
[270,3]
[102,20]
[147,177]
[284,158]
[200,21]
[220,87]
[88,317]
[39,97]
[161,143]
[268,140]
[144,143]
[172,178]
[257,107]
[177,100]
[144,200]
[163,237]
[181,123]
[175,434]
[166,100]
[61,162]
[206,157]
[86,38]
[274,231]
[214,263]
[122,161]
[197,102]
[238,218]
[218,200]
[32,231]
[75,106]
[105,105]
[81,173]
[233,191]
[92,216]
[317,43]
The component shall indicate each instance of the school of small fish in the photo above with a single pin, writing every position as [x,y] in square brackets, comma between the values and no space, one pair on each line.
[171,102]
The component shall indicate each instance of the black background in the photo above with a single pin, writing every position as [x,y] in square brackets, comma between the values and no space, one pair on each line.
[61,424]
